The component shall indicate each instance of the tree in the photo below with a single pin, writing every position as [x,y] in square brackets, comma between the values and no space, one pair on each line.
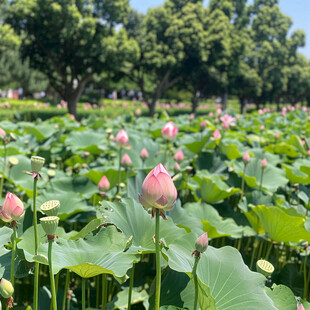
[71,40]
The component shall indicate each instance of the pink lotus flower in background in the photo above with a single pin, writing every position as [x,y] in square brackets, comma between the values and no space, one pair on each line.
[59,106]
[138,112]
[177,167]
[201,243]
[121,138]
[72,116]
[158,191]
[277,135]
[169,131]
[191,117]
[12,208]
[246,158]
[126,161]
[217,134]
[203,125]
[309,118]
[227,121]
[179,156]
[262,128]
[304,109]
[211,114]
[260,111]
[219,111]
[104,184]
[308,151]
[300,307]
[2,133]
[144,154]
[125,105]
[264,163]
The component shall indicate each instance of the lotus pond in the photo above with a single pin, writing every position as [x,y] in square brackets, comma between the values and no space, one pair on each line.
[83,233]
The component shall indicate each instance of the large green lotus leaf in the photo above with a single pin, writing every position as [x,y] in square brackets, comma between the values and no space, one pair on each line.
[303,165]
[272,178]
[120,300]
[280,226]
[231,283]
[86,140]
[134,221]
[41,132]
[77,184]
[232,148]
[282,297]
[213,189]
[260,154]
[94,255]
[95,175]
[282,148]
[295,175]
[70,202]
[5,255]
[296,142]
[213,224]
[10,151]
[134,185]
[195,142]
[206,301]
[171,308]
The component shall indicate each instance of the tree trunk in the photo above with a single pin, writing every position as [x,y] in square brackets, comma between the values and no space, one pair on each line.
[278,105]
[152,106]
[308,102]
[242,106]
[73,95]
[195,102]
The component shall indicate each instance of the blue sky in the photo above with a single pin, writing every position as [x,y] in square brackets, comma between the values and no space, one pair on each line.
[298,10]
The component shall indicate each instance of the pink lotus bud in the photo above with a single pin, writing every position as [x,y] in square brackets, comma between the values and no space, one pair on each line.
[300,307]
[12,208]
[191,117]
[121,138]
[126,161]
[2,133]
[304,109]
[260,111]
[264,163]
[104,184]
[217,134]
[144,154]
[219,111]
[158,190]
[179,156]
[138,112]
[72,116]
[211,114]
[203,125]
[201,243]
[283,113]
[169,131]
[246,158]
[308,151]
[277,135]
[262,127]
[177,167]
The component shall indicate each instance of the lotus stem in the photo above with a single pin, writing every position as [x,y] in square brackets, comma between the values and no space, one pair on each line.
[119,171]
[13,253]
[261,180]
[66,289]
[104,291]
[36,245]
[158,269]
[242,184]
[305,278]
[269,251]
[3,170]
[52,281]
[97,291]
[131,286]
[83,293]
[194,273]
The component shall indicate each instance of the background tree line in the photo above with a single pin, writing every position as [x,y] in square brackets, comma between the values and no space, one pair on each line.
[227,48]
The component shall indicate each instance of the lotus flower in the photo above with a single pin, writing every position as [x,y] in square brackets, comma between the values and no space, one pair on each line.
[2,133]
[201,243]
[264,163]
[217,134]
[227,121]
[126,161]
[179,156]
[277,135]
[121,138]
[246,158]
[104,184]
[12,208]
[144,154]
[169,131]
[300,307]
[203,125]
[158,191]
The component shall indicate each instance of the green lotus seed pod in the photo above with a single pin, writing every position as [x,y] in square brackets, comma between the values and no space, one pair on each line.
[6,288]
[37,163]
[13,161]
[51,207]
[49,224]
[264,267]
